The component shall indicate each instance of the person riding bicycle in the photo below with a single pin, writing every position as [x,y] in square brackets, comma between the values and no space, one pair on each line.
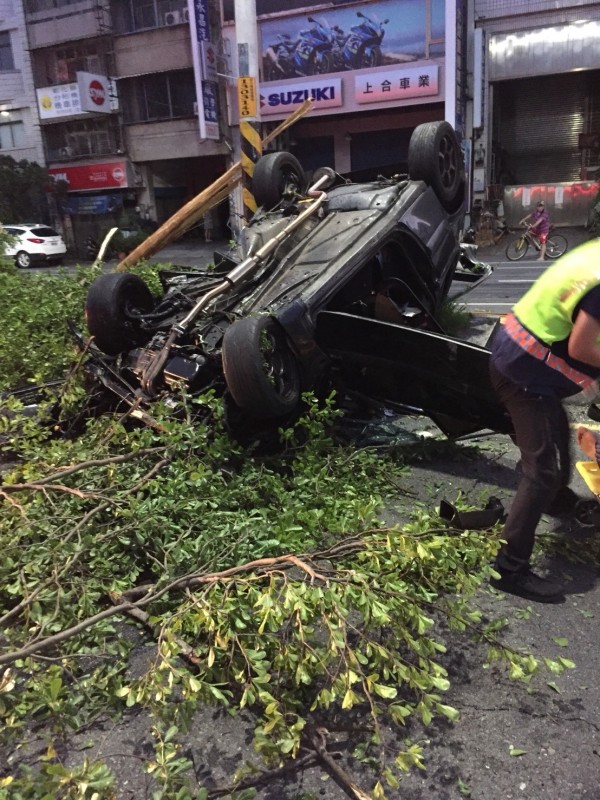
[539,225]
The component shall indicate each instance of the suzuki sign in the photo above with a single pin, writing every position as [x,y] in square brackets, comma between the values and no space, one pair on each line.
[278,98]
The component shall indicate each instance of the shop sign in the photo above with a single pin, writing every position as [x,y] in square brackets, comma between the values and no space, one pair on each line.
[94,92]
[58,101]
[110,175]
[90,93]
[278,98]
[208,54]
[396,84]
[377,33]
[94,204]
[246,87]
[204,58]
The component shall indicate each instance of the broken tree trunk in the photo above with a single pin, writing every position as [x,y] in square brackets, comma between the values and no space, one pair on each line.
[208,198]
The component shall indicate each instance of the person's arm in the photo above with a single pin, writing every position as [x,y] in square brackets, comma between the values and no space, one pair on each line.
[524,220]
[583,344]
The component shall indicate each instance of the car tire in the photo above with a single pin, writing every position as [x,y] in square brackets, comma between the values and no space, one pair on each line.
[260,369]
[23,260]
[435,157]
[112,302]
[277,176]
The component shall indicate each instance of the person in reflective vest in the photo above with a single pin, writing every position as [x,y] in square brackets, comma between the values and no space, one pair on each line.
[547,350]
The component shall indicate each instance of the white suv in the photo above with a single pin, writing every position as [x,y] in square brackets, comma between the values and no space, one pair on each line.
[34,242]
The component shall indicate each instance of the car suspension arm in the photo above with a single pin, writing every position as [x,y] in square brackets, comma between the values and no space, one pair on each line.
[237,275]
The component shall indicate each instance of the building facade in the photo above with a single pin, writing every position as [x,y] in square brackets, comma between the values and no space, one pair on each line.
[20,135]
[133,104]
[537,131]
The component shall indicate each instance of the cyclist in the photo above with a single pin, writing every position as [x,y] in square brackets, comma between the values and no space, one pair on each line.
[539,225]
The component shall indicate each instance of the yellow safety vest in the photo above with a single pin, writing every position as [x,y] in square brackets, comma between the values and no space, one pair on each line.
[546,309]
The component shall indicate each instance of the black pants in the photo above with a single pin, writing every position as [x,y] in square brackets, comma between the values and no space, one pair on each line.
[542,435]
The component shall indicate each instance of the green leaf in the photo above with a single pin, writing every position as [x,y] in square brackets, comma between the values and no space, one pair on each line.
[514,751]
[388,692]
[561,641]
[448,711]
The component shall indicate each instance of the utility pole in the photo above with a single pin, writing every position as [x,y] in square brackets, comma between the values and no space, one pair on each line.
[248,97]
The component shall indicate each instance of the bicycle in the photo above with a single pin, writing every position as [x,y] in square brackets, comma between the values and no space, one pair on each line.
[556,245]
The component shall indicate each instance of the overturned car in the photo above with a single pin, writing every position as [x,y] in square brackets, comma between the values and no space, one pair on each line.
[333,285]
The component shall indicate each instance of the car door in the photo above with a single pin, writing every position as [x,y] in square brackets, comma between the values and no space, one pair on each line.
[443,378]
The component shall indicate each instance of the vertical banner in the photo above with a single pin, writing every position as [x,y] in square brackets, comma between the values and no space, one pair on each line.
[479,78]
[203,55]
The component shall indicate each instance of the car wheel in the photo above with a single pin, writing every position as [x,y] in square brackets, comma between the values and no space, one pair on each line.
[114,303]
[260,369]
[434,156]
[23,260]
[277,176]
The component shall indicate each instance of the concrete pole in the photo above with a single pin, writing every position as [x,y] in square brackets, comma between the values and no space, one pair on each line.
[248,97]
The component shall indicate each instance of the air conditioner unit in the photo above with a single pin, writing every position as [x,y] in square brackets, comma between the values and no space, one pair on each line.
[185,15]
[172,17]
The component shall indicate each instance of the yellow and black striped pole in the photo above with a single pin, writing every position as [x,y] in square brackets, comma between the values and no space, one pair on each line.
[250,139]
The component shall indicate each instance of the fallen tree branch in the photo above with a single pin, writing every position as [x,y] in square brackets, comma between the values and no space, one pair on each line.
[100,462]
[56,487]
[127,607]
[208,198]
[76,556]
[342,779]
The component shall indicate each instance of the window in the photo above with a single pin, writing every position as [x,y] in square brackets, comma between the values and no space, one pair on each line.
[6,54]
[136,15]
[31,6]
[80,58]
[164,96]
[83,137]
[12,134]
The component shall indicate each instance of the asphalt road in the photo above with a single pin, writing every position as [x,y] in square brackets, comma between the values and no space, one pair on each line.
[511,279]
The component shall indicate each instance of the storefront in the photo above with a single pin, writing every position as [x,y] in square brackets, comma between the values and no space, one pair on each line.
[95,199]
[373,73]
[543,130]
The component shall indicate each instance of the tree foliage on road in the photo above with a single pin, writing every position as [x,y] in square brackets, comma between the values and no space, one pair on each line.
[24,187]
[266,584]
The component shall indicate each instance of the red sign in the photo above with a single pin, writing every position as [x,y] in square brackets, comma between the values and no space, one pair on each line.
[110,175]
[97,94]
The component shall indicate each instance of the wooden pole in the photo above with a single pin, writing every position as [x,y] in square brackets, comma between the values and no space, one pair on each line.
[191,212]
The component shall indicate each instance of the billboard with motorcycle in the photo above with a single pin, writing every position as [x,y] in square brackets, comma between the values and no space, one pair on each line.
[374,35]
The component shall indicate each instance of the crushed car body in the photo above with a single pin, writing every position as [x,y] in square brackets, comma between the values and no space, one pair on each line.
[333,285]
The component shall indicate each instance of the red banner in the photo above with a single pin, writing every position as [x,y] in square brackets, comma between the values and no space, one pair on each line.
[110,175]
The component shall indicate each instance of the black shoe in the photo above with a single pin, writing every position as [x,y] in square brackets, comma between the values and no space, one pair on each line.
[563,502]
[593,412]
[529,585]
[587,513]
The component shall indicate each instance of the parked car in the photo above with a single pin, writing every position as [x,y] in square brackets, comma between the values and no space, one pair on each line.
[34,243]
[333,285]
